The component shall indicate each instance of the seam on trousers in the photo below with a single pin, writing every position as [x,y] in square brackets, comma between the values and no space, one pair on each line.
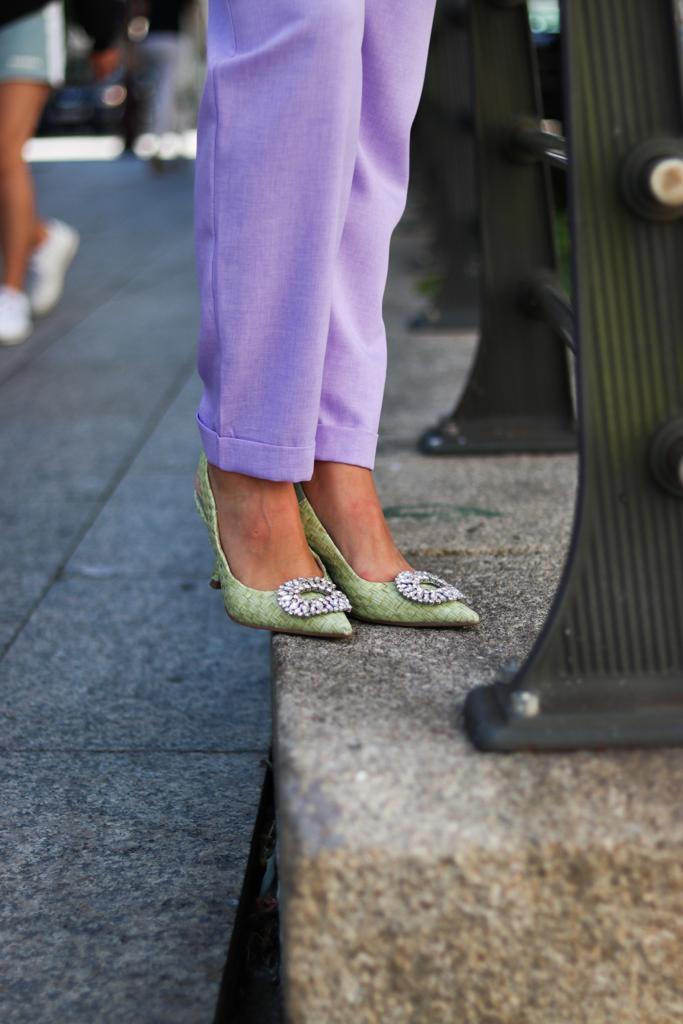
[228,6]
[214,243]
[214,217]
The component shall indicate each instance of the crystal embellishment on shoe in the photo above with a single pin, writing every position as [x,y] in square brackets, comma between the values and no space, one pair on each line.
[411,585]
[327,597]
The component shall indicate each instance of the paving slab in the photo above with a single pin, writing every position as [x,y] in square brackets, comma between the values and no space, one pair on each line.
[149,525]
[119,663]
[64,445]
[176,439]
[21,588]
[493,504]
[144,508]
[120,877]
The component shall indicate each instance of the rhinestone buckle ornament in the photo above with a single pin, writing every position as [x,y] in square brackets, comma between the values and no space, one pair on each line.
[326,597]
[411,585]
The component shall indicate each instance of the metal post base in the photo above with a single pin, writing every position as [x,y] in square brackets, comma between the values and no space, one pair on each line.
[498,436]
[519,395]
[497,719]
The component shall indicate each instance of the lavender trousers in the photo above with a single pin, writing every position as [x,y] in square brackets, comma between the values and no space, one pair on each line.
[301,177]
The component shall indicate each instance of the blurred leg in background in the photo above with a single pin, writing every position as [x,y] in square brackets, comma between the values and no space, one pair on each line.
[161,51]
[21,104]
[160,55]
[35,254]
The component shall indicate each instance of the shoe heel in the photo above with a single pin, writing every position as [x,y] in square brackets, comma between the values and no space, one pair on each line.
[200,508]
[215,581]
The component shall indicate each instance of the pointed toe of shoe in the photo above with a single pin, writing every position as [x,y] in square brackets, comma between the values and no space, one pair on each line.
[335,624]
[472,616]
[459,614]
[382,603]
[450,615]
[330,626]
[453,615]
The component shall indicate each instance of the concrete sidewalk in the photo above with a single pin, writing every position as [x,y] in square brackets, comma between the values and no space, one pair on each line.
[134,718]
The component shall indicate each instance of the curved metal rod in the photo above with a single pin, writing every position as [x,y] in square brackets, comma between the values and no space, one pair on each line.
[530,141]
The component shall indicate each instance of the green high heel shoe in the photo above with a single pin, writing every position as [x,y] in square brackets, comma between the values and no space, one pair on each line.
[306,606]
[411,599]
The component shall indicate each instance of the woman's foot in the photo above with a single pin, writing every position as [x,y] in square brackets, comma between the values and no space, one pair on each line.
[346,502]
[50,260]
[260,530]
[15,316]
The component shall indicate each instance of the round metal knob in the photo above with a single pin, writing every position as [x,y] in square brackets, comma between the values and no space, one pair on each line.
[652,179]
[666,457]
[665,181]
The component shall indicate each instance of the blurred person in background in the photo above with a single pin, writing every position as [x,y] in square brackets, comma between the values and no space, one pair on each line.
[37,253]
[160,53]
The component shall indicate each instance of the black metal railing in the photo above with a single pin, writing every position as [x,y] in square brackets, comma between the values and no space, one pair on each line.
[519,393]
[607,669]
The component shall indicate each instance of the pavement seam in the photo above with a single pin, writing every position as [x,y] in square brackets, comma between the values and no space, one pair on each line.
[146,432]
[219,751]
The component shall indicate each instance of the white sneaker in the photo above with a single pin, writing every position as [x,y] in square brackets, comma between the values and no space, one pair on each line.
[49,264]
[15,316]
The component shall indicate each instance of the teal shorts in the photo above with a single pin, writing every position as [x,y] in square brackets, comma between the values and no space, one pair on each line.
[32,49]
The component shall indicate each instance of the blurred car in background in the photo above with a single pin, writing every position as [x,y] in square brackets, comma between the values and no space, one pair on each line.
[82,106]
[117,104]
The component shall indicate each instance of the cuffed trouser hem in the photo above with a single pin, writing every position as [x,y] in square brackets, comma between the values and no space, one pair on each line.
[255,458]
[345,444]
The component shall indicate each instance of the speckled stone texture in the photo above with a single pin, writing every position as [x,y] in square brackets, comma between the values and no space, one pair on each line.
[121,874]
[423,882]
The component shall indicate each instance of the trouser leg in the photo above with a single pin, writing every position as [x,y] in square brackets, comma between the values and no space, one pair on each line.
[394,57]
[277,143]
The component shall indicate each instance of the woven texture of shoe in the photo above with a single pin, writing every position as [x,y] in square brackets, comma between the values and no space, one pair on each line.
[377,602]
[258,608]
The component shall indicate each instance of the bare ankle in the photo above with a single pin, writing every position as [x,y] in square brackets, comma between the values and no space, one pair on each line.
[239,489]
[260,529]
[346,500]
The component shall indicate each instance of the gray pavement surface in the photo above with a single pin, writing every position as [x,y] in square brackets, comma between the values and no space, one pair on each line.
[134,717]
